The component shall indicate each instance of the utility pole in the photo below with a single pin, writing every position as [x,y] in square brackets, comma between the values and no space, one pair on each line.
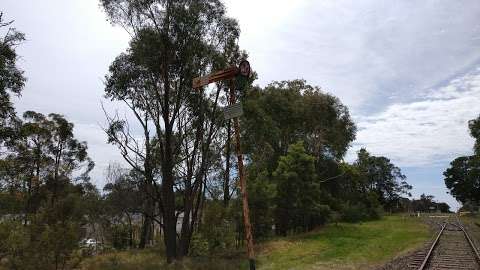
[234,110]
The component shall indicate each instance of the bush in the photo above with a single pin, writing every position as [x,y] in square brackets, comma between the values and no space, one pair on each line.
[199,246]
[38,246]
[359,212]
[120,236]
[323,214]
[218,229]
[316,216]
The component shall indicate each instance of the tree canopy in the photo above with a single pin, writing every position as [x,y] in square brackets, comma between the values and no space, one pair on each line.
[462,178]
[474,126]
[12,79]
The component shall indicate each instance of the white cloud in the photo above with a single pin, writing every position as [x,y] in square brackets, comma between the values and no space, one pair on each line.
[426,132]
[361,51]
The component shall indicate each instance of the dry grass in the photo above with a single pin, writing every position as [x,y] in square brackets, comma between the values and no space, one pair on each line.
[152,259]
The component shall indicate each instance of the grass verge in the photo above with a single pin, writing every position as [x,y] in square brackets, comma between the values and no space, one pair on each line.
[346,246]
[343,246]
[472,223]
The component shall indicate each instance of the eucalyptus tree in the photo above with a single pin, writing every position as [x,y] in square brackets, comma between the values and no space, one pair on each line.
[46,168]
[44,154]
[383,177]
[288,111]
[462,178]
[172,43]
[276,118]
[12,79]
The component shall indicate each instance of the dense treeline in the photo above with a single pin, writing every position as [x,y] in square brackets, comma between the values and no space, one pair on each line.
[297,137]
[424,204]
[180,188]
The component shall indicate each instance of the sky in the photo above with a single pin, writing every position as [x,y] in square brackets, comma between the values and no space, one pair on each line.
[409,71]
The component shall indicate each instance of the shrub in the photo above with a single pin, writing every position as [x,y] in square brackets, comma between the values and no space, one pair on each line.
[359,212]
[120,236]
[218,229]
[199,246]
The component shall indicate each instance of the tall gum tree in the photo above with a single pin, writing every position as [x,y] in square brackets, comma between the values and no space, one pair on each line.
[12,79]
[172,43]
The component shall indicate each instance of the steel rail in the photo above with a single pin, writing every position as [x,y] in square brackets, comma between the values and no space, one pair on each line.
[434,244]
[472,245]
[427,258]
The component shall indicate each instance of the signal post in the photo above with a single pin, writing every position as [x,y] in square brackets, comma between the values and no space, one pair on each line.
[234,110]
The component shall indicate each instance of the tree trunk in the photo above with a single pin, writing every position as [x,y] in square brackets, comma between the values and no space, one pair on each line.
[146,233]
[186,231]
[170,236]
[170,220]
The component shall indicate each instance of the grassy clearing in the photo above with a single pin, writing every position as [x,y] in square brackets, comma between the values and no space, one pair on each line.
[346,246]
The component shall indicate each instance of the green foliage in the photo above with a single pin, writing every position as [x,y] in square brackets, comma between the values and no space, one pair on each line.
[474,126]
[199,246]
[470,207]
[298,192]
[284,186]
[218,234]
[123,199]
[355,212]
[288,111]
[463,179]
[38,245]
[262,192]
[426,203]
[120,236]
[12,79]
[13,238]
[47,205]
[297,186]
[463,176]
[383,178]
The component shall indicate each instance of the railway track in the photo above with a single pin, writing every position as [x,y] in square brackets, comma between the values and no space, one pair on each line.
[451,249]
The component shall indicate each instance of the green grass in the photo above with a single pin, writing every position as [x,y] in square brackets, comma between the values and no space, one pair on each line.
[346,246]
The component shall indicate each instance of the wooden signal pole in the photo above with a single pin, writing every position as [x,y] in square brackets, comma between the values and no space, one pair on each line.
[243,184]
[230,74]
